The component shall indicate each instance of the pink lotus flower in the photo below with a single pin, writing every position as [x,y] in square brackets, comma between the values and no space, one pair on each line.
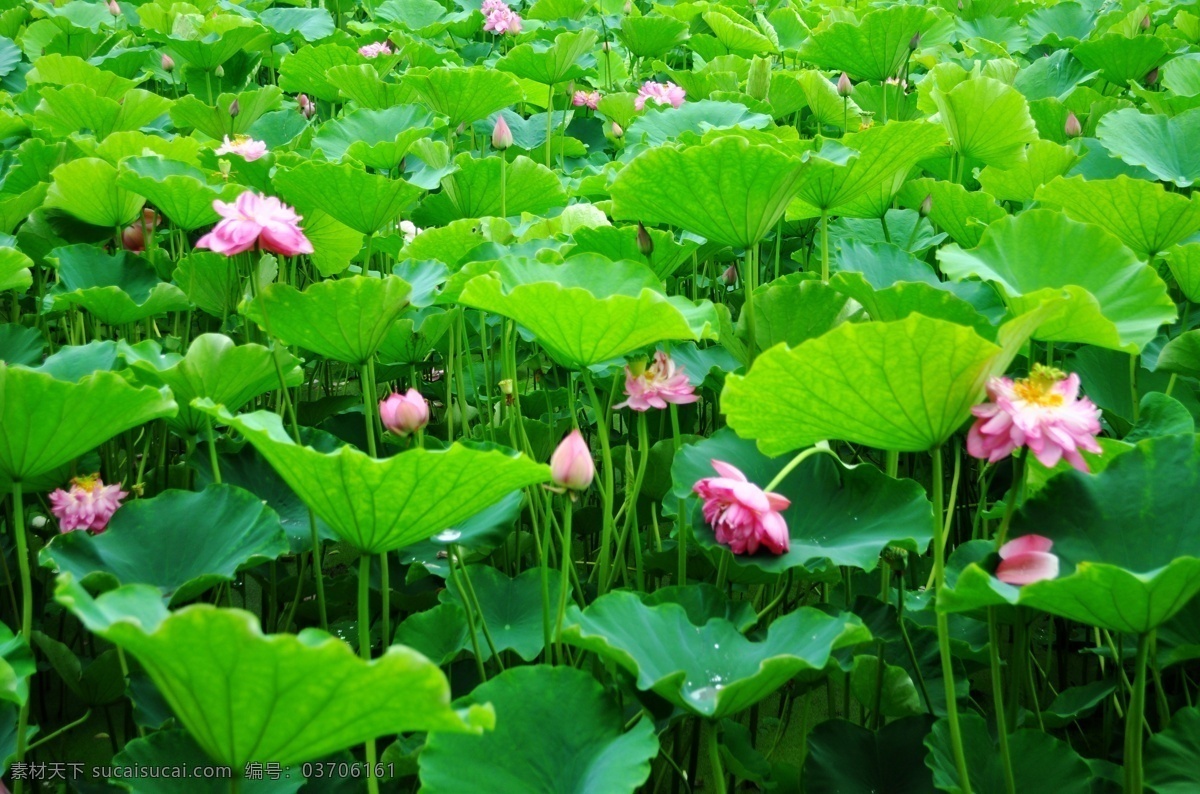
[1026,560]
[656,385]
[1043,412]
[586,99]
[244,146]
[571,465]
[88,504]
[660,93]
[404,414]
[493,5]
[502,20]
[254,221]
[743,515]
[133,237]
[375,49]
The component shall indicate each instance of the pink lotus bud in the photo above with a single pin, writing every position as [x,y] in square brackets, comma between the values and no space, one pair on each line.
[843,86]
[1152,76]
[307,108]
[168,65]
[234,109]
[926,206]
[502,136]
[1072,128]
[729,277]
[113,8]
[644,243]
[1145,22]
[133,237]
[571,465]
[404,414]
[617,132]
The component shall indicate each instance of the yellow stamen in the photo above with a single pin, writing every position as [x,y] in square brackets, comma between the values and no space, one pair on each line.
[1037,388]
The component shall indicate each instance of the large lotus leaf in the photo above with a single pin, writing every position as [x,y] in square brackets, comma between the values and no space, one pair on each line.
[305,70]
[248,697]
[550,64]
[1155,142]
[214,367]
[659,125]
[1143,214]
[180,542]
[466,95]
[16,666]
[987,120]
[216,121]
[594,755]
[49,422]
[87,188]
[376,138]
[20,344]
[1044,161]
[79,109]
[211,281]
[511,607]
[647,37]
[620,242]
[905,385]
[176,189]
[216,42]
[1117,301]
[844,757]
[1181,75]
[839,516]
[117,289]
[823,101]
[902,299]
[1120,58]
[1110,576]
[1052,77]
[381,505]
[709,668]
[729,191]
[873,48]
[363,85]
[884,156]
[59,69]
[795,308]
[15,270]
[473,191]
[410,340]
[1184,262]
[1181,355]
[1171,755]
[311,24]
[737,37]
[174,748]
[588,310]
[345,320]
[364,202]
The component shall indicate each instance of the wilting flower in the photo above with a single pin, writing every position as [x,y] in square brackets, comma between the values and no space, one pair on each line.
[1026,560]
[404,414]
[501,19]
[1072,128]
[571,465]
[243,145]
[1043,412]
[253,221]
[743,516]
[844,88]
[502,136]
[656,385]
[660,94]
[87,504]
[133,237]
[586,99]
[375,49]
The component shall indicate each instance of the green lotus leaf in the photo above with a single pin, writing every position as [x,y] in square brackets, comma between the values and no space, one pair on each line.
[1117,301]
[363,85]
[16,666]
[334,243]
[588,310]
[381,505]
[78,108]
[596,756]
[180,542]
[511,608]
[960,213]
[365,202]
[175,749]
[550,64]
[1044,161]
[311,24]
[466,95]
[736,37]
[1181,355]
[63,70]
[305,70]
[473,190]
[214,367]
[620,242]
[729,191]
[840,515]
[14,270]
[792,309]
[248,697]
[216,121]
[87,188]
[1171,755]
[219,40]
[708,668]
[412,14]
[873,48]
[411,340]
[1108,577]
[1119,58]
[346,320]
[904,298]
[73,417]
[658,125]
[1068,21]
[116,289]
[1052,77]
[823,101]
[1184,262]
[1155,142]
[647,37]
[376,138]
[21,345]
[211,281]
[843,757]
[1181,75]
[905,385]
[987,120]
[176,189]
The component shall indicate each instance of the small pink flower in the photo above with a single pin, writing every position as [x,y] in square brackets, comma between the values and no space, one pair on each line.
[375,49]
[88,504]
[1043,412]
[660,93]
[502,20]
[243,145]
[258,221]
[742,515]
[133,237]
[1026,560]
[571,465]
[656,385]
[586,99]
[404,414]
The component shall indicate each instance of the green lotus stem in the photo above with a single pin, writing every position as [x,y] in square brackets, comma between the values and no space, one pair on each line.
[820,446]
[364,650]
[1133,389]
[469,593]
[751,279]
[565,585]
[368,398]
[908,646]
[1171,384]
[1018,487]
[943,625]
[630,506]
[503,189]
[606,532]
[544,566]
[452,554]
[1134,783]
[212,450]
[549,120]
[449,375]
[1010,785]
[61,730]
[386,600]
[825,246]
[714,758]
[18,496]
[680,515]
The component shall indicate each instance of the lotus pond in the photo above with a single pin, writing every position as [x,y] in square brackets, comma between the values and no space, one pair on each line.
[598,396]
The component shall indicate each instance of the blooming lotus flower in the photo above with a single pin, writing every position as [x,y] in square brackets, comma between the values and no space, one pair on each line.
[660,93]
[502,136]
[133,237]
[571,465]
[1026,560]
[1043,412]
[654,386]
[375,49]
[256,221]
[404,414]
[586,99]
[242,145]
[503,20]
[493,5]
[88,504]
[743,516]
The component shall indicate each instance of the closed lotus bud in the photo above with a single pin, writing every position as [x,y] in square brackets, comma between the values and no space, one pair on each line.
[644,243]
[758,83]
[1152,76]
[628,9]
[168,65]
[617,132]
[1072,128]
[843,86]
[38,522]
[404,414]
[307,108]
[113,8]
[960,5]
[926,206]
[606,46]
[571,465]
[1146,22]
[729,277]
[502,136]
[234,109]
[915,41]
[506,386]
[219,71]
